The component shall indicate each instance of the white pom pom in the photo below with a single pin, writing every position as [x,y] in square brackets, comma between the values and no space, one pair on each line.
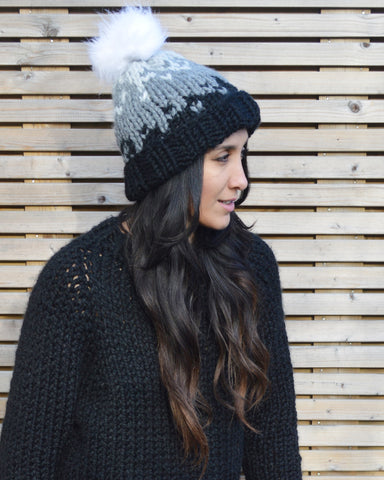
[132,34]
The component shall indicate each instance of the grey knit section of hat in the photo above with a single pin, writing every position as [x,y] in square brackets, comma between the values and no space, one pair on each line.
[148,95]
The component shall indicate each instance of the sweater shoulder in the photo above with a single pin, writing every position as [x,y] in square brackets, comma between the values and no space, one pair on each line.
[72,265]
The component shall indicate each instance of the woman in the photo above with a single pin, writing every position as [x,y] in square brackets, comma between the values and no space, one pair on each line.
[154,346]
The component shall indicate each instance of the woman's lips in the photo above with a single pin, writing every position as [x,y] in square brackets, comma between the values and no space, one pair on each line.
[229,205]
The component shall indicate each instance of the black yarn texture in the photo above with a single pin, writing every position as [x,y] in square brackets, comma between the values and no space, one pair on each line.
[86,399]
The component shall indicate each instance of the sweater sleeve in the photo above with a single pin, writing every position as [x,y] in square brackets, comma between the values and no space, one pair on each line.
[47,372]
[273,453]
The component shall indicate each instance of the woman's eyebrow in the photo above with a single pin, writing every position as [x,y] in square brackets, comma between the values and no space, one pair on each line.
[228,147]
[225,147]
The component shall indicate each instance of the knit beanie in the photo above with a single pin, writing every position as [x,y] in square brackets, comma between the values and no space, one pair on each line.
[168,111]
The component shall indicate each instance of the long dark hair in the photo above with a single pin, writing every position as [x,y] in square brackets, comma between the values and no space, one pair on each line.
[168,251]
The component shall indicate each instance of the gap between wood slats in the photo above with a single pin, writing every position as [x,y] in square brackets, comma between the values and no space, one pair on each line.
[216,54]
[257,83]
[280,111]
[260,167]
[261,194]
[16,249]
[264,223]
[320,277]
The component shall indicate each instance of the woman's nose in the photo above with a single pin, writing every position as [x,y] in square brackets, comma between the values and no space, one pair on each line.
[238,178]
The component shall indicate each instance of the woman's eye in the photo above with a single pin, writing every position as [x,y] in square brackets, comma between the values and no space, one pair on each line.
[223,158]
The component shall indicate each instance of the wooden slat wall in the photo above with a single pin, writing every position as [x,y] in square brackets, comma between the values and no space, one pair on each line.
[317,167]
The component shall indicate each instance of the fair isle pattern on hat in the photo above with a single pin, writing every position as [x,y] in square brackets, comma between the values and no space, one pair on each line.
[168,111]
[159,92]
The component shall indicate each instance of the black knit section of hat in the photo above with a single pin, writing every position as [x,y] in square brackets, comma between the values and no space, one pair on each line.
[189,137]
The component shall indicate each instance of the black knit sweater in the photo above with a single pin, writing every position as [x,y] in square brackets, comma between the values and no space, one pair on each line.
[86,399]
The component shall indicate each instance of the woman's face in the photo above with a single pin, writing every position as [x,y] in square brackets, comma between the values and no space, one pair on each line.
[223,177]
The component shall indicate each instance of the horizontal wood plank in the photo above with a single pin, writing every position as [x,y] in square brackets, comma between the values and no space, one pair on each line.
[330,409]
[264,223]
[50,221]
[280,111]
[296,250]
[61,166]
[261,194]
[327,277]
[264,140]
[56,111]
[305,331]
[3,403]
[341,435]
[335,194]
[62,194]
[315,167]
[332,277]
[340,356]
[257,83]
[371,384]
[311,223]
[24,249]
[348,53]
[335,331]
[342,460]
[14,303]
[260,166]
[333,303]
[317,140]
[302,357]
[305,383]
[322,409]
[192,25]
[337,435]
[10,329]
